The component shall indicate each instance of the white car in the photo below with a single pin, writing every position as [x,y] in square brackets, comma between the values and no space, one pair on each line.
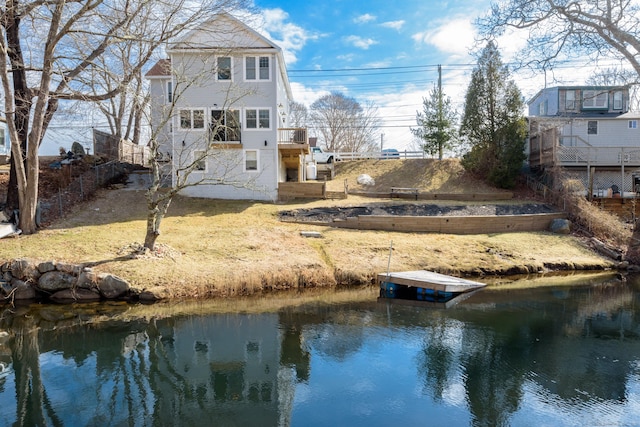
[321,156]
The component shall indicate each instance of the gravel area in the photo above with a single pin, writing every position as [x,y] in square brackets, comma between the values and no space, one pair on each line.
[333,213]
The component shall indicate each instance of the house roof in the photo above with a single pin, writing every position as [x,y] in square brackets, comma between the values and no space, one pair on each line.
[227,33]
[162,68]
[580,87]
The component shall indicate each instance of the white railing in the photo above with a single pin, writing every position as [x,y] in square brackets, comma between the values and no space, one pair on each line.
[595,156]
[379,155]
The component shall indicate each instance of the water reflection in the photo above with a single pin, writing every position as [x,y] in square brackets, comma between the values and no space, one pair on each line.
[552,355]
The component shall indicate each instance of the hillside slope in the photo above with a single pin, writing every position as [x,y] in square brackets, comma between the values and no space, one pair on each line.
[428,175]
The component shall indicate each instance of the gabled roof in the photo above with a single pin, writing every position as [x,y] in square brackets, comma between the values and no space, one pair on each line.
[222,31]
[162,68]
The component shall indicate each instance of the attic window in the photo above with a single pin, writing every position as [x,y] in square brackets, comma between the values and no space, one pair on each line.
[617,100]
[593,99]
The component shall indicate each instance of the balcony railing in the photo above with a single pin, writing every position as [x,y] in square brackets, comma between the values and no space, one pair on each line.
[292,136]
[598,156]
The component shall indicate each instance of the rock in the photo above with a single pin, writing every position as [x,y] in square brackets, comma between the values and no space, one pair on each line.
[45,267]
[69,268]
[54,281]
[24,269]
[82,295]
[88,280]
[22,290]
[560,226]
[111,286]
[366,180]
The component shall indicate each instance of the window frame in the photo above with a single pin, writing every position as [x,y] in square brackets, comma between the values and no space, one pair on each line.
[227,129]
[245,160]
[169,92]
[192,119]
[593,95]
[257,68]
[570,101]
[200,165]
[257,118]
[618,98]
[590,128]
[219,69]
[633,124]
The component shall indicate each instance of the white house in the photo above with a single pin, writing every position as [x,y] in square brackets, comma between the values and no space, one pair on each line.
[220,106]
[589,131]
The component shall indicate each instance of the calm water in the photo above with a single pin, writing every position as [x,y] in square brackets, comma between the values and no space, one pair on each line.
[563,354]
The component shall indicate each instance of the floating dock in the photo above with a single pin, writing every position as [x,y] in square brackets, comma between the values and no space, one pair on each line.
[423,285]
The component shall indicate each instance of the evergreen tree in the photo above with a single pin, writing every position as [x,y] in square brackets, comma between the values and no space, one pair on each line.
[436,123]
[493,123]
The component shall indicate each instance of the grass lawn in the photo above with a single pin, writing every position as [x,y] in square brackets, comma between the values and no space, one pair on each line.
[217,248]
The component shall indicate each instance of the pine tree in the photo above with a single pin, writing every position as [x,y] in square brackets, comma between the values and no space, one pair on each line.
[493,123]
[436,123]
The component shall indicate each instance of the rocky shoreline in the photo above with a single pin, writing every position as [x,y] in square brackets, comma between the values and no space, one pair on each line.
[25,279]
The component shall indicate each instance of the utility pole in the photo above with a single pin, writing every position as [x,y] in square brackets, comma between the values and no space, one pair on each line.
[440,130]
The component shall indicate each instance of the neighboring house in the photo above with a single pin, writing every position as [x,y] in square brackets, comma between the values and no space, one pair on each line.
[221,102]
[589,132]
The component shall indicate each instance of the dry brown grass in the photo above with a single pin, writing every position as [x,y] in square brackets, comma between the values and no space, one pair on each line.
[429,175]
[239,247]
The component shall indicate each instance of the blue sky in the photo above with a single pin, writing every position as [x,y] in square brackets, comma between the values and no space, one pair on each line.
[375,51]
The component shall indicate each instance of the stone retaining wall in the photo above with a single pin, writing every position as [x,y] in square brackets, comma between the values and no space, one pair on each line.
[24,279]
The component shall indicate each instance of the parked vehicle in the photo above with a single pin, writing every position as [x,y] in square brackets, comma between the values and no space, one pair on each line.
[321,156]
[390,153]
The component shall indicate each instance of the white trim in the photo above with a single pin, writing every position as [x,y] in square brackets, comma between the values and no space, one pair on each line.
[244,161]
[633,124]
[256,59]
[257,110]
[217,70]
[195,162]
[191,119]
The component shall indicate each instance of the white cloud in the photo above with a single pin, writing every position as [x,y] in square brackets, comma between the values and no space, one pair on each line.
[360,42]
[454,37]
[363,19]
[290,37]
[395,25]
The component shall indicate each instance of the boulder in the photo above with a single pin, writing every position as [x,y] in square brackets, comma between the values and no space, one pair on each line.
[22,290]
[75,295]
[365,180]
[68,268]
[24,269]
[88,280]
[47,266]
[111,286]
[54,281]
[560,226]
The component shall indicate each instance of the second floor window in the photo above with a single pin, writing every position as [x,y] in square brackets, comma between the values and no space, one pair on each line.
[224,68]
[257,68]
[225,125]
[592,127]
[192,119]
[257,118]
[633,124]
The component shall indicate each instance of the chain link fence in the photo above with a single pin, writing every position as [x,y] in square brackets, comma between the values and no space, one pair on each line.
[79,189]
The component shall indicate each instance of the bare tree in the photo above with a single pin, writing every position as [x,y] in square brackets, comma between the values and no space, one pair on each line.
[65,40]
[299,115]
[343,124]
[560,29]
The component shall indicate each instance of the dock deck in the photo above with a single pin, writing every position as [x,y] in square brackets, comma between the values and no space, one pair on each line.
[430,280]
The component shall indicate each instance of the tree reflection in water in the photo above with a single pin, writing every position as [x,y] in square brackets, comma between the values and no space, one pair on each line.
[488,361]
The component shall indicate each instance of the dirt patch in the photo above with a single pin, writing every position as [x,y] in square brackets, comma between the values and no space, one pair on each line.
[330,214]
